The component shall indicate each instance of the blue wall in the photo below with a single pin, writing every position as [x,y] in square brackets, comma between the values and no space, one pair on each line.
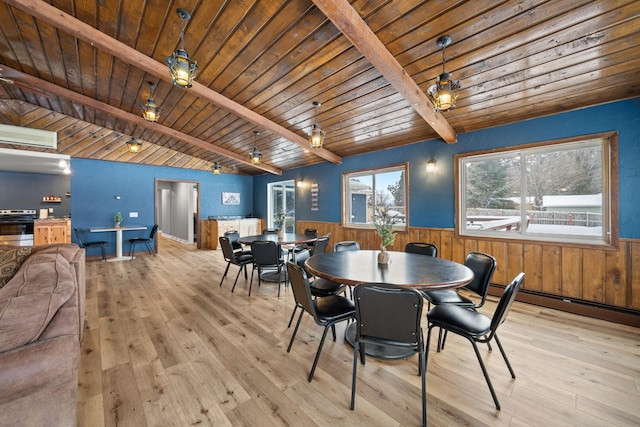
[431,201]
[94,185]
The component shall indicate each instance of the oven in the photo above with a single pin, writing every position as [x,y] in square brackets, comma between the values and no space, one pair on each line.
[16,227]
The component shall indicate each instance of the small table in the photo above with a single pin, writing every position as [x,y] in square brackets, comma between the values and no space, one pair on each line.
[404,269]
[286,239]
[118,230]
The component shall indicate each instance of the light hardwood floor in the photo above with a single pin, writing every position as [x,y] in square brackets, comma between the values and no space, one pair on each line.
[166,346]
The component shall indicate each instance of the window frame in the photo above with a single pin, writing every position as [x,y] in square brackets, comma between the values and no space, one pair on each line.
[610,221]
[346,204]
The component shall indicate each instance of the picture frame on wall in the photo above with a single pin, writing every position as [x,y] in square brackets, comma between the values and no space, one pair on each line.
[229,198]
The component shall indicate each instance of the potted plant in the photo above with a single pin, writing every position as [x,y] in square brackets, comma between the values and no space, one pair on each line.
[117,218]
[384,222]
[279,221]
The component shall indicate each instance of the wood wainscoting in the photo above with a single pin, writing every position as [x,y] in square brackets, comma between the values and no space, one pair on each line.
[569,278]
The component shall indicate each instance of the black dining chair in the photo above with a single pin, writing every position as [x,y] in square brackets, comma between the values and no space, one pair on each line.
[389,316]
[421,249]
[320,245]
[147,241]
[94,244]
[234,257]
[347,245]
[269,231]
[483,266]
[326,311]
[320,287]
[476,327]
[266,256]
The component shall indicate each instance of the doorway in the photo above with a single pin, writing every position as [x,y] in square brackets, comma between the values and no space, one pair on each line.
[177,207]
[282,198]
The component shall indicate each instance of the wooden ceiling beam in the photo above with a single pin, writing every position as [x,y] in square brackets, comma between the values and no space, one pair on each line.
[72,96]
[353,27]
[82,31]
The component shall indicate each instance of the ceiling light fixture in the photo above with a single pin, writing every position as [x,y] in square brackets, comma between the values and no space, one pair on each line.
[215,168]
[150,111]
[134,145]
[316,136]
[181,69]
[256,155]
[444,92]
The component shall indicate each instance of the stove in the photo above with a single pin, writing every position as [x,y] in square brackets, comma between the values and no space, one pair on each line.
[16,227]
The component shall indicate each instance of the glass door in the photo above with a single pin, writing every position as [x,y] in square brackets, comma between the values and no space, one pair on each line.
[282,198]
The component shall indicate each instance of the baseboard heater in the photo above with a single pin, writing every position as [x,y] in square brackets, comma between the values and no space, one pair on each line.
[625,316]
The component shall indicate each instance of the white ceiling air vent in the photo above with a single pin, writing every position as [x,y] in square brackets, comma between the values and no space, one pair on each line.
[18,135]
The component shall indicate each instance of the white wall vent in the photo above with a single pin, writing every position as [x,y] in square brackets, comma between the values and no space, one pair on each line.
[18,135]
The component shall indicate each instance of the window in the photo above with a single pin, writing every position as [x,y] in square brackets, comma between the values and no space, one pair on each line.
[282,197]
[555,191]
[366,189]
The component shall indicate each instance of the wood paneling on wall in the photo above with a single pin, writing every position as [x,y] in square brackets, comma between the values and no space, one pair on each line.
[610,277]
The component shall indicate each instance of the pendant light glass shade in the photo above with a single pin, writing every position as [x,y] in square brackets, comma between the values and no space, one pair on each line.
[150,111]
[444,92]
[255,155]
[316,136]
[181,69]
[215,168]
[134,145]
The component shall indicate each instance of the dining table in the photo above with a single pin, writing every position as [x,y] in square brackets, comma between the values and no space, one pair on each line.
[118,230]
[283,240]
[411,270]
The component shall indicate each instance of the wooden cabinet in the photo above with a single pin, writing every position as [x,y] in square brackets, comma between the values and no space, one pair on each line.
[212,229]
[49,231]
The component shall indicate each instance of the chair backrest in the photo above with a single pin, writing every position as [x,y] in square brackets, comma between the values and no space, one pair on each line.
[421,249]
[265,252]
[77,232]
[154,230]
[270,231]
[347,245]
[300,286]
[311,232]
[483,266]
[505,303]
[233,236]
[388,313]
[320,245]
[301,258]
[227,249]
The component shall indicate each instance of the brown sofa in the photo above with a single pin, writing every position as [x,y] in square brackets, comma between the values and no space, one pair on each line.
[41,323]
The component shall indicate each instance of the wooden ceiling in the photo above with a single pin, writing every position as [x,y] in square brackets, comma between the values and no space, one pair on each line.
[82,68]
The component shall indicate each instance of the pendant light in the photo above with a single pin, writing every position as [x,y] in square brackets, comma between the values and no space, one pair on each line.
[256,155]
[316,136]
[134,145]
[215,168]
[181,69]
[150,111]
[444,92]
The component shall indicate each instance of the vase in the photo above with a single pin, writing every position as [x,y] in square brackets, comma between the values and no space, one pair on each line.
[117,225]
[280,234]
[383,256]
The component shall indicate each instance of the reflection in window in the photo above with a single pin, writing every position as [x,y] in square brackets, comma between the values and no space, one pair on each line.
[555,192]
[368,190]
[282,198]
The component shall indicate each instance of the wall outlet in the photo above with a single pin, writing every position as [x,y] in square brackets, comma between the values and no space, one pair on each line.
[50,210]
[133,214]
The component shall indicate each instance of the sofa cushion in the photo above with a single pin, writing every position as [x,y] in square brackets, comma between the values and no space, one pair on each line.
[10,262]
[29,301]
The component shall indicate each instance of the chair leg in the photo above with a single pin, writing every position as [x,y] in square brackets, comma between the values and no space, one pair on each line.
[356,346]
[104,254]
[236,281]
[251,281]
[292,315]
[225,274]
[504,356]
[295,331]
[133,245]
[423,372]
[486,374]
[315,361]
[333,331]
[151,251]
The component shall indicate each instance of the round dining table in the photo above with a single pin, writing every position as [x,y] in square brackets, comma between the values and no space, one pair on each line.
[404,269]
[285,239]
